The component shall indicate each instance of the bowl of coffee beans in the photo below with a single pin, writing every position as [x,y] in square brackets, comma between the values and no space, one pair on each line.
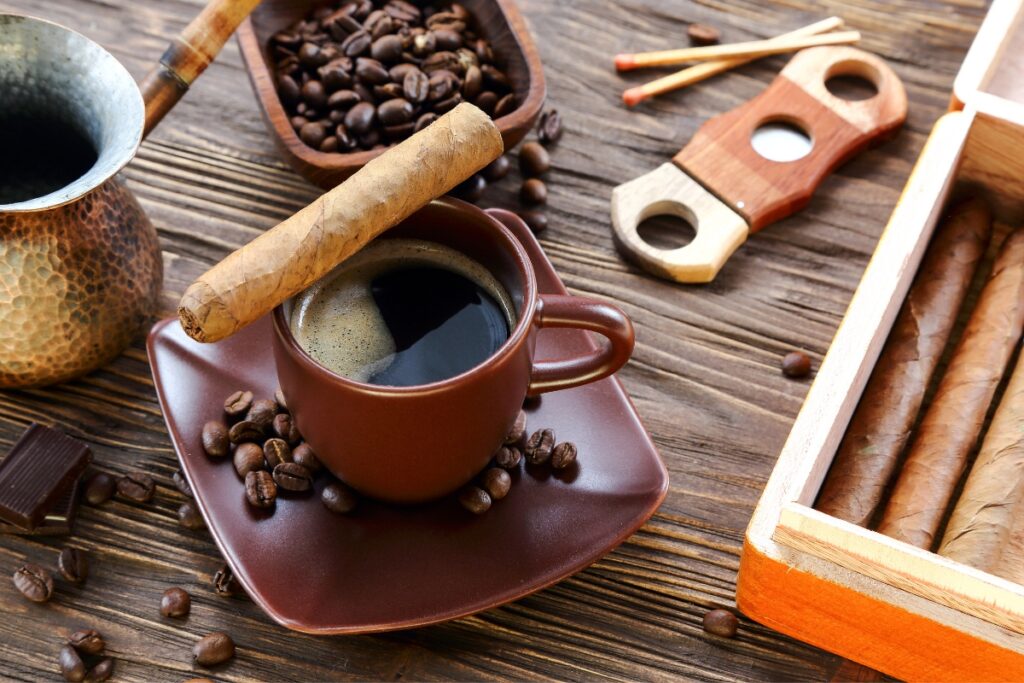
[341,81]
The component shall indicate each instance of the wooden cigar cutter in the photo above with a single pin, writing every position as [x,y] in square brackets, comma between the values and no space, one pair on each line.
[726,189]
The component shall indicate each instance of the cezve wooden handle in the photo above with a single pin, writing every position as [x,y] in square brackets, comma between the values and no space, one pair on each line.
[726,189]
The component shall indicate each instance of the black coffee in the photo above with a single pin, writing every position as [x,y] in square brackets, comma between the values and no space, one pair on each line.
[403,313]
[38,155]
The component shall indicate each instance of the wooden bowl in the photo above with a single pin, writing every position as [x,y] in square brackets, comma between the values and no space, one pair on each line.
[499,21]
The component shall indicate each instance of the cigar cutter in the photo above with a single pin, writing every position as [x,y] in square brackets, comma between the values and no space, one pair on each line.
[725,185]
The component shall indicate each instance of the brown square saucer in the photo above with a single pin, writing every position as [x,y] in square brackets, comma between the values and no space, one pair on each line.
[389,567]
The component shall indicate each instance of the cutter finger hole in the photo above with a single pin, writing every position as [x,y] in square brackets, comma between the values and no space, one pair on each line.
[852,80]
[666,231]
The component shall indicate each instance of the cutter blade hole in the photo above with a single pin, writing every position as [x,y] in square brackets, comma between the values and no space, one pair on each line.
[851,87]
[666,231]
[781,141]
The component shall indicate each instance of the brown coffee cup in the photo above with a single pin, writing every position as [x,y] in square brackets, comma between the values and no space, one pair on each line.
[413,444]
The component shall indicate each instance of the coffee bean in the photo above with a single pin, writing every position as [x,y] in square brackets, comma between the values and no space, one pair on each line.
[260,489]
[136,487]
[379,23]
[388,91]
[338,498]
[335,74]
[424,44]
[539,446]
[536,221]
[702,34]
[441,61]
[311,55]
[796,364]
[475,499]
[72,668]
[314,95]
[467,60]
[291,476]
[508,457]
[445,106]
[313,134]
[471,189]
[103,670]
[262,413]
[189,516]
[287,89]
[276,451]
[387,49]
[497,482]
[215,439]
[175,602]
[563,455]
[400,132]
[447,39]
[440,20]
[225,584]
[473,82]
[356,44]
[487,101]
[248,458]
[371,71]
[497,169]
[416,86]
[244,431]
[721,622]
[505,106]
[343,99]
[298,122]
[424,121]
[440,86]
[534,160]
[395,112]
[99,488]
[303,455]
[181,483]
[34,582]
[87,641]
[495,78]
[284,428]
[483,51]
[518,429]
[400,71]
[549,131]
[533,191]
[360,118]
[215,648]
[370,139]
[73,564]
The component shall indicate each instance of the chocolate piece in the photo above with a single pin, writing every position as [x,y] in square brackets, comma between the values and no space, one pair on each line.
[58,521]
[37,471]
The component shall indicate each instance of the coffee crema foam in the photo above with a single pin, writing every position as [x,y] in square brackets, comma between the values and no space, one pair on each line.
[337,322]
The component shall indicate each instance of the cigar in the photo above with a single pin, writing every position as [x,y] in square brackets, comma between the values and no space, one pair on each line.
[1011,558]
[951,424]
[984,514]
[294,254]
[885,415]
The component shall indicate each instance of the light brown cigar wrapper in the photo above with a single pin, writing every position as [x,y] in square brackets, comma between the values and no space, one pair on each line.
[1011,560]
[294,254]
[885,415]
[951,425]
[984,514]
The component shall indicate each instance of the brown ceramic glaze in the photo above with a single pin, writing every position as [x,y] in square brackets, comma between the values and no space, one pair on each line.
[411,444]
[387,567]
[499,21]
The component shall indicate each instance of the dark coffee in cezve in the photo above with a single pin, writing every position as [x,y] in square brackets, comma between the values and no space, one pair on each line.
[39,155]
[403,313]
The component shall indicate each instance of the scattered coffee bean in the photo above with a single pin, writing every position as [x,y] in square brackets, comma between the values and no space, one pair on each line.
[72,668]
[136,487]
[279,399]
[796,364]
[338,498]
[536,221]
[533,191]
[276,451]
[181,483]
[563,455]
[284,428]
[73,564]
[103,670]
[99,488]
[475,499]
[292,477]
[534,160]
[262,413]
[87,641]
[721,622]
[549,130]
[34,582]
[517,431]
[702,34]
[497,482]
[248,458]
[497,169]
[237,404]
[175,602]
[225,584]
[539,446]
[471,189]
[508,457]
[303,455]
[189,516]
[260,489]
[245,431]
[215,648]
[215,439]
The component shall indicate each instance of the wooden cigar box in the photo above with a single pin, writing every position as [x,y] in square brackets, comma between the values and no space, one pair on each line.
[899,609]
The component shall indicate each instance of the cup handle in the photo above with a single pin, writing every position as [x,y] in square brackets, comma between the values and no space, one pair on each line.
[557,310]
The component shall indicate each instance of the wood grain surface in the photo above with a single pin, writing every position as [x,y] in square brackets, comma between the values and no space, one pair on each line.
[705,375]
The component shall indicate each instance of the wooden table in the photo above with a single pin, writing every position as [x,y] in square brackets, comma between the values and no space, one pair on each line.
[705,375]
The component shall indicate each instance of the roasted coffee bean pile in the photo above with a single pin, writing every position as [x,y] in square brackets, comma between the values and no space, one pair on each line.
[267,452]
[364,74]
[538,450]
[81,659]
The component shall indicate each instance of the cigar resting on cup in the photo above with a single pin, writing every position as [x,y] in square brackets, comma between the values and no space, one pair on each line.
[297,252]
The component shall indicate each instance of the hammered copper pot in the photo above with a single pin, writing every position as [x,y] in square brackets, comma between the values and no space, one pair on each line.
[80,267]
